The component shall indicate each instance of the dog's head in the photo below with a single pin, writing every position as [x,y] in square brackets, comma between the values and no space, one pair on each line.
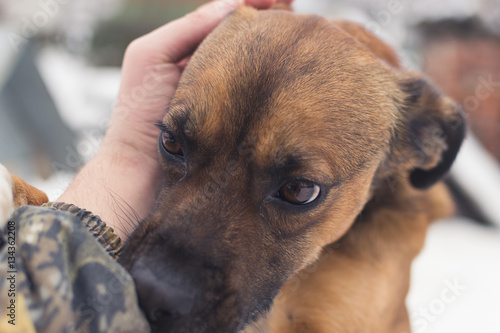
[282,128]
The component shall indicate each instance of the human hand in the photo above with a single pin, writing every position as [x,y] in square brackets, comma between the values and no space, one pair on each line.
[121,182]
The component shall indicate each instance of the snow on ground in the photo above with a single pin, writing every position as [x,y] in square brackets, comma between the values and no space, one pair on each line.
[455,280]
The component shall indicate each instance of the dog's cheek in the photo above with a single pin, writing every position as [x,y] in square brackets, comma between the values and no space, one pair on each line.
[345,207]
[171,173]
[142,238]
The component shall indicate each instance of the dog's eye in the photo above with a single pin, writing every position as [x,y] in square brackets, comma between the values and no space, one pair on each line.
[170,144]
[299,192]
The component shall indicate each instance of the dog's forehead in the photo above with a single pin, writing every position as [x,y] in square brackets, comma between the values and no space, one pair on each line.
[291,84]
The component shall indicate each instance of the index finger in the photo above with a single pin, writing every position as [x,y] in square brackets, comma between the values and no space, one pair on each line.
[177,39]
[263,4]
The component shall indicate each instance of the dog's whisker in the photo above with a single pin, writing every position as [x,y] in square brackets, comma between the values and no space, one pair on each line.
[127,216]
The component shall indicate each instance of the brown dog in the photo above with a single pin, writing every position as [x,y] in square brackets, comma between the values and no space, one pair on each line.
[299,161]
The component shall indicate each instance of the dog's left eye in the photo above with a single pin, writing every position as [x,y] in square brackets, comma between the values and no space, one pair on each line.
[299,192]
[170,144]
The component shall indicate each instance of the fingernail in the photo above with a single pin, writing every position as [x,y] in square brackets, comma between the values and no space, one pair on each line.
[227,6]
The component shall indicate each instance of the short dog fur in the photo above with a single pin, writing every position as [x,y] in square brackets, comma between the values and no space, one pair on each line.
[272,108]
[15,192]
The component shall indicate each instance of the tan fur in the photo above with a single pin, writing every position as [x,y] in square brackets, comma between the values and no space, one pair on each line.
[359,284]
[25,194]
[374,44]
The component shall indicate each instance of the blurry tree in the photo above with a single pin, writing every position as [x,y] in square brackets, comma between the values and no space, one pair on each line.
[135,19]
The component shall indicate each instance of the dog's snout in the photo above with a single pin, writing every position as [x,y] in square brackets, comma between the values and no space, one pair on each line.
[164,296]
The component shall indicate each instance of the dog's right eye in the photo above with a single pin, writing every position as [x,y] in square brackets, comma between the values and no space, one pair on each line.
[170,144]
[299,192]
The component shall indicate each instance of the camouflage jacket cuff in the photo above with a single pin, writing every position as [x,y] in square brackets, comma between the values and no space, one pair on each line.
[105,235]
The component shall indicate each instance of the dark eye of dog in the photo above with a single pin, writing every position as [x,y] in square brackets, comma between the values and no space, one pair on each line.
[299,192]
[170,144]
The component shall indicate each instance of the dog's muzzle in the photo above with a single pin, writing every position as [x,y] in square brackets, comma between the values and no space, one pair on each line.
[164,295]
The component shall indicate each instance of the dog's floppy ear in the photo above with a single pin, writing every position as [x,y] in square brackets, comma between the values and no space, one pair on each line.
[432,127]
[379,49]
[431,131]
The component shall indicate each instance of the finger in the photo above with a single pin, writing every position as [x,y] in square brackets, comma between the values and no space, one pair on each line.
[263,4]
[176,40]
[183,63]
[260,4]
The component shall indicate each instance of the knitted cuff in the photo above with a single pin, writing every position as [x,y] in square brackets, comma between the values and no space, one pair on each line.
[105,235]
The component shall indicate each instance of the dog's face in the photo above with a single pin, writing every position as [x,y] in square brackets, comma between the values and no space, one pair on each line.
[282,128]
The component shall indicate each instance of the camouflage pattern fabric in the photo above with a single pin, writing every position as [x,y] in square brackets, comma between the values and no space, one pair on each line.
[56,276]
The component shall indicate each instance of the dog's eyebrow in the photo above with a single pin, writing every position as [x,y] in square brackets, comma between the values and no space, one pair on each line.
[302,166]
[287,164]
[167,127]
[164,127]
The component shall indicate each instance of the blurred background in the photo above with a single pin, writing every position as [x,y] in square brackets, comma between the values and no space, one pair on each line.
[60,72]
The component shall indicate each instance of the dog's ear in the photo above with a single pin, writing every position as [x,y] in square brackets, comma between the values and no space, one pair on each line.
[380,49]
[430,131]
[432,127]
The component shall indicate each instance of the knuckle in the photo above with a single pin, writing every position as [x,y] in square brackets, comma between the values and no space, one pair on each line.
[199,16]
[135,47]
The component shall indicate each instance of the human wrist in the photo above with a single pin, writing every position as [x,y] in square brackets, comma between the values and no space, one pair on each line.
[114,188]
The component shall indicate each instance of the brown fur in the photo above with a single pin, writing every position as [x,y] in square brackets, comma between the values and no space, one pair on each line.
[360,283]
[380,49]
[269,97]
[25,194]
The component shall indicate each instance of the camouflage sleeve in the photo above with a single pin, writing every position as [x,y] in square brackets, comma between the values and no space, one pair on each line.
[56,276]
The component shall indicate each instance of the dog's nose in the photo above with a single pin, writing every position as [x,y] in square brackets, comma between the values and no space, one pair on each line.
[164,296]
